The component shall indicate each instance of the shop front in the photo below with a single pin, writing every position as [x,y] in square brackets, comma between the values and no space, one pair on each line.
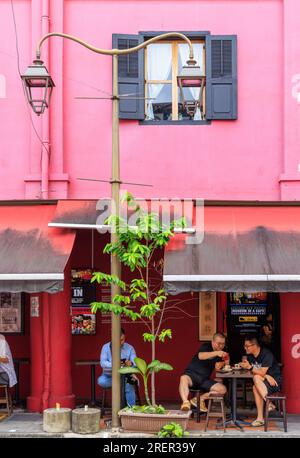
[249,256]
[245,271]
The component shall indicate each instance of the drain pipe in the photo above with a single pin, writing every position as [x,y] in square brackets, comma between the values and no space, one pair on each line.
[45,118]
[44,195]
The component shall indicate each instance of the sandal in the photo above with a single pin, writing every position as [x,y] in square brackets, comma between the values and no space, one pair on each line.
[202,406]
[185,406]
[258,423]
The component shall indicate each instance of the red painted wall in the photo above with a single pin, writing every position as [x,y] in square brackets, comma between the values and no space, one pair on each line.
[177,352]
[20,348]
[290,349]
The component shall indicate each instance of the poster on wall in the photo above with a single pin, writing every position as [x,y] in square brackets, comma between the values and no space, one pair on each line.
[246,314]
[82,295]
[207,315]
[247,311]
[11,313]
[83,321]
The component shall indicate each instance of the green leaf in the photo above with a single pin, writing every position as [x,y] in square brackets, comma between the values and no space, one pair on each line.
[118,298]
[153,364]
[102,307]
[116,309]
[148,337]
[130,314]
[129,370]
[137,283]
[165,333]
[139,295]
[149,310]
[169,427]
[141,365]
[162,366]
[159,299]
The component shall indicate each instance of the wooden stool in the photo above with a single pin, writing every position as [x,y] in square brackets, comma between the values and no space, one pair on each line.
[279,399]
[198,393]
[6,399]
[218,399]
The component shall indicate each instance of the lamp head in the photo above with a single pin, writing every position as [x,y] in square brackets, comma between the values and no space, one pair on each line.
[38,86]
[191,76]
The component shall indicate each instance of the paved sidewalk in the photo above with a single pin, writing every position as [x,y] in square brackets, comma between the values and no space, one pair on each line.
[22,424]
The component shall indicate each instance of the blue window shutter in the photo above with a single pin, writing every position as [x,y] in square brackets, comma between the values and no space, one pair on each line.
[130,77]
[221,77]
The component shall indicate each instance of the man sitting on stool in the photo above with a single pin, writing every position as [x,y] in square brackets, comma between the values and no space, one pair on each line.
[197,374]
[127,358]
[266,375]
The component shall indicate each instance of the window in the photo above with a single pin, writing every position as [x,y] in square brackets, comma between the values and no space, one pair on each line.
[163,62]
[148,78]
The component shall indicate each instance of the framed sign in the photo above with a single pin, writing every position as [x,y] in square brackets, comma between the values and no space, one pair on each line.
[83,294]
[11,313]
[83,322]
[207,315]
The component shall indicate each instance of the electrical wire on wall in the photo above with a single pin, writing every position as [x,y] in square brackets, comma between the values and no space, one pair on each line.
[19,71]
[47,149]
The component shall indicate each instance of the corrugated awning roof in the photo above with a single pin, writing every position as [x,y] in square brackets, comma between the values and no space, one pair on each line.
[243,249]
[32,255]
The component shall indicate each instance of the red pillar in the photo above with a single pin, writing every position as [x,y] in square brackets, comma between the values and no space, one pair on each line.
[61,346]
[34,401]
[290,348]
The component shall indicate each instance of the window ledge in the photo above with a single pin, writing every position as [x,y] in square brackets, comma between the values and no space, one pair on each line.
[172,123]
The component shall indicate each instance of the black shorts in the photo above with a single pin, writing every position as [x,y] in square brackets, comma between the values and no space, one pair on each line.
[272,389]
[200,383]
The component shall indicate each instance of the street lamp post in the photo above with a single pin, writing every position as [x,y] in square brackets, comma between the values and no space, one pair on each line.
[36,78]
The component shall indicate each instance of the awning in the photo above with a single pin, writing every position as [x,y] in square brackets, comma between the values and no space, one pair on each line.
[32,255]
[88,214]
[77,214]
[245,248]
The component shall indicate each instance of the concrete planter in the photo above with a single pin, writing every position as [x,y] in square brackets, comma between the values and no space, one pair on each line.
[57,421]
[86,421]
[152,423]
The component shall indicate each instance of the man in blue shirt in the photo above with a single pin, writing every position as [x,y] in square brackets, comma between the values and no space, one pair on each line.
[127,356]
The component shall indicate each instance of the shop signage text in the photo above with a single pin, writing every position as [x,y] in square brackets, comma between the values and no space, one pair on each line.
[296,348]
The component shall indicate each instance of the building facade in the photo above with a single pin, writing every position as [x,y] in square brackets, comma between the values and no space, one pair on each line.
[242,147]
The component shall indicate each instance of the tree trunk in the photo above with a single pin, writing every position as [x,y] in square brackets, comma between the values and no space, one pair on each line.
[153,373]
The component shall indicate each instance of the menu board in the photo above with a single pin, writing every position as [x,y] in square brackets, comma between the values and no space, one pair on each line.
[245,315]
[247,312]
[11,316]
[83,293]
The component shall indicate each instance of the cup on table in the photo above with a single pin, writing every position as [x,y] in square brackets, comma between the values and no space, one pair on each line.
[244,359]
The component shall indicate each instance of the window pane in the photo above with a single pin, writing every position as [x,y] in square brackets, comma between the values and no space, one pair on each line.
[159,62]
[183,55]
[190,94]
[160,107]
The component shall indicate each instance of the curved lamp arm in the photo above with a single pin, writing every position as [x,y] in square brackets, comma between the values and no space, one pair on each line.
[112,52]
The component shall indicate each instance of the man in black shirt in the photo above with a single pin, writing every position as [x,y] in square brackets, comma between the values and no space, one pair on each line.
[197,374]
[266,374]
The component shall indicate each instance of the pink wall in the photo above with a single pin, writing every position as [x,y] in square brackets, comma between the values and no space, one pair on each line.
[254,157]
